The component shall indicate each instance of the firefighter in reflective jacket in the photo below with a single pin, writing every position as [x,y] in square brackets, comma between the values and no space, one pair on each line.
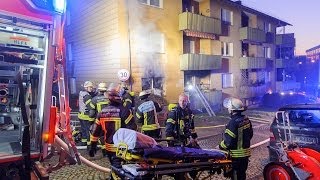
[109,120]
[85,98]
[237,138]
[146,114]
[180,124]
[128,102]
[99,101]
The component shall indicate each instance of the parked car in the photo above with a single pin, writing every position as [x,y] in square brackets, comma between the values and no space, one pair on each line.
[277,100]
[299,124]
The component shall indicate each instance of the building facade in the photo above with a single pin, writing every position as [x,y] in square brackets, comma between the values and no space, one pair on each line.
[312,65]
[220,47]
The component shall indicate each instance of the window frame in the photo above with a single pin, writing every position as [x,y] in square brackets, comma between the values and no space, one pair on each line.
[226,49]
[224,16]
[225,83]
[148,3]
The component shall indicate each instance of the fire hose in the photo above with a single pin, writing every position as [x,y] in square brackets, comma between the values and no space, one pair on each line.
[83,160]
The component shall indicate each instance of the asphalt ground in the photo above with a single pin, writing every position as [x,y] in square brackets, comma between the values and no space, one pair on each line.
[210,131]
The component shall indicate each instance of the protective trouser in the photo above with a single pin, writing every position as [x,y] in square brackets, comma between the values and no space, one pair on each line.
[239,168]
[85,131]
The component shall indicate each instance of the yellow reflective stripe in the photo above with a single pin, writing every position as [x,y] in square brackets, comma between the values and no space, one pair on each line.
[241,152]
[171,121]
[97,122]
[149,127]
[84,140]
[181,126]
[230,133]
[92,105]
[93,138]
[99,106]
[88,101]
[223,145]
[128,100]
[131,93]
[128,119]
[138,115]
[245,126]
[145,122]
[83,116]
[170,138]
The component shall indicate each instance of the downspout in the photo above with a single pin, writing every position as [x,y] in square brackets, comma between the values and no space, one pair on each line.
[129,44]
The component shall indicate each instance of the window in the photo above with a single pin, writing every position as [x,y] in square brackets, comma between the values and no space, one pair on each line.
[227,16]
[152,83]
[226,49]
[192,47]
[153,42]
[155,3]
[227,80]
[267,52]
[267,27]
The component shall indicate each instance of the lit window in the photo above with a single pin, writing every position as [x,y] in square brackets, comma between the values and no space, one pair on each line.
[227,16]
[226,49]
[267,27]
[227,80]
[267,52]
[155,3]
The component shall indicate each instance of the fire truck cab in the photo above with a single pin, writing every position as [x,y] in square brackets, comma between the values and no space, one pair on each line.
[28,41]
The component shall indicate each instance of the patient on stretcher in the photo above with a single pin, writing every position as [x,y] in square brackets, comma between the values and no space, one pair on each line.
[147,147]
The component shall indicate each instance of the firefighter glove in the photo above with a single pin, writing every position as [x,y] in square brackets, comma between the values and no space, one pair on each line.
[93,149]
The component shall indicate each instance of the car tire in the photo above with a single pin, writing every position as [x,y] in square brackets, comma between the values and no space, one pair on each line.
[278,171]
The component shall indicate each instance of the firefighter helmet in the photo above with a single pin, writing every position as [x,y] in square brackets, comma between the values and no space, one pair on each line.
[144,94]
[88,84]
[233,104]
[113,93]
[102,86]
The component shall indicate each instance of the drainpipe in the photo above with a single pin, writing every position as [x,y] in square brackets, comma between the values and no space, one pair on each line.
[129,44]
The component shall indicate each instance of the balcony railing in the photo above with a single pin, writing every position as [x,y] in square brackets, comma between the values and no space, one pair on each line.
[199,23]
[286,40]
[252,91]
[200,62]
[252,34]
[254,63]
[287,86]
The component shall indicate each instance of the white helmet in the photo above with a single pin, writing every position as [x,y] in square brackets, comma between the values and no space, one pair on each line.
[102,86]
[145,92]
[233,104]
[88,84]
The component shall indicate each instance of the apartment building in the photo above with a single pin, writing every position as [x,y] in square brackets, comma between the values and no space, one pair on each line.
[312,64]
[286,66]
[221,47]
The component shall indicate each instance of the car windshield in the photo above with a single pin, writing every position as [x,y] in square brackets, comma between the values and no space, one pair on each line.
[305,117]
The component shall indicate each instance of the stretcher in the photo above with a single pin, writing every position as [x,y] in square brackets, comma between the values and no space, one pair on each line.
[143,158]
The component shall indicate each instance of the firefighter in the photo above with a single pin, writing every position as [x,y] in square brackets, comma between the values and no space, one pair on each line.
[128,102]
[146,113]
[109,120]
[99,101]
[180,124]
[237,138]
[85,98]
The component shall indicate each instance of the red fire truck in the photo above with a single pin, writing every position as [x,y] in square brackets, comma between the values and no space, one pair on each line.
[29,37]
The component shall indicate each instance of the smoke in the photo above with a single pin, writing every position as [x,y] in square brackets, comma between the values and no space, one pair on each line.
[147,42]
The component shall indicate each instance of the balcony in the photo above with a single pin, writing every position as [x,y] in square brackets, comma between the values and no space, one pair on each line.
[252,35]
[198,62]
[286,40]
[198,23]
[252,91]
[285,63]
[255,63]
[287,86]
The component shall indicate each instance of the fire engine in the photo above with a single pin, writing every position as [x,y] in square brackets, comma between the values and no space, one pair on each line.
[31,51]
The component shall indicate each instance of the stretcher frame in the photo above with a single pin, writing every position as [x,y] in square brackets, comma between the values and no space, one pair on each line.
[155,167]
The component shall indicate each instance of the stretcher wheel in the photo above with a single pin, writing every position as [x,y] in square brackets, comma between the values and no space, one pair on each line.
[278,171]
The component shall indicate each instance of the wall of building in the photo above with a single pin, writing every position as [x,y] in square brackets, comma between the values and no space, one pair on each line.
[93,41]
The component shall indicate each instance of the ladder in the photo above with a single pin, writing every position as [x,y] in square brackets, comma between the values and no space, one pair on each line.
[204,101]
[63,125]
